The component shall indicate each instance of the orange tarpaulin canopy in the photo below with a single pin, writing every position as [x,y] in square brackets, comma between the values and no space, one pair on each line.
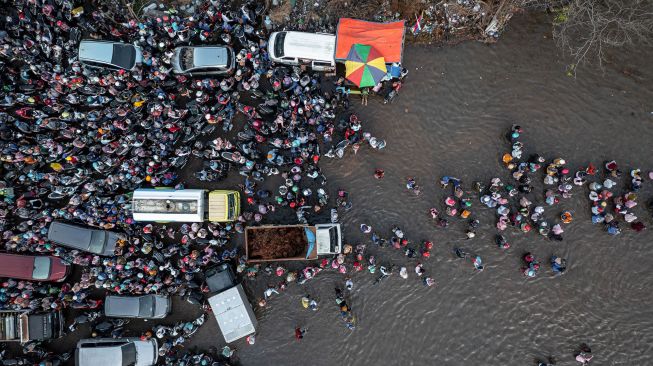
[387,38]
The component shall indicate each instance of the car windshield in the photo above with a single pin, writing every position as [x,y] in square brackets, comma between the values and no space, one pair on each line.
[333,236]
[231,206]
[146,306]
[186,58]
[128,354]
[98,239]
[41,268]
[278,44]
[123,55]
[229,56]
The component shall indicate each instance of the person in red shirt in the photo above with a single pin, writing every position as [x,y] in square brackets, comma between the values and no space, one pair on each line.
[299,333]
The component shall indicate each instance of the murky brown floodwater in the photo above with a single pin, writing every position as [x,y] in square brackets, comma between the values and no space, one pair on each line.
[450,119]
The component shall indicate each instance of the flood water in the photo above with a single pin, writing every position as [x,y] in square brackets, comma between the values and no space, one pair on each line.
[450,119]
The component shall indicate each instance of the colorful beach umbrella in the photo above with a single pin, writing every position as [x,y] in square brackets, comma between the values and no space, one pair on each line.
[364,66]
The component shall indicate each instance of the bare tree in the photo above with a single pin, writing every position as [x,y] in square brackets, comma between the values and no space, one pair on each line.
[586,29]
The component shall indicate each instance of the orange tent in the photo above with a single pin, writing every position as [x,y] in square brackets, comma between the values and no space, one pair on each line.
[387,38]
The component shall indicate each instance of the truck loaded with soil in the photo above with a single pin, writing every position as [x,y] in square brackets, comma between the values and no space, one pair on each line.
[291,242]
[276,243]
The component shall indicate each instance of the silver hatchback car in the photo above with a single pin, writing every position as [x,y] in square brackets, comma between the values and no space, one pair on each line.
[141,307]
[203,60]
[109,55]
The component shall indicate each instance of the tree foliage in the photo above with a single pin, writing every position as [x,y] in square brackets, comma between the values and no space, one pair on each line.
[587,29]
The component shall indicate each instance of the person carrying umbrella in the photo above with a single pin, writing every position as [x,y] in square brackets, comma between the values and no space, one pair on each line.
[365,67]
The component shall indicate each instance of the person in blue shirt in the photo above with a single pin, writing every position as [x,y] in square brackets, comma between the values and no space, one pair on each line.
[558,264]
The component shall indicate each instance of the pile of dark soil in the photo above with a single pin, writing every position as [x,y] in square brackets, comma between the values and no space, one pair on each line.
[277,243]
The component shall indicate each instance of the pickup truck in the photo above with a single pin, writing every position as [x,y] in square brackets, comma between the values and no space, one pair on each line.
[273,243]
[21,326]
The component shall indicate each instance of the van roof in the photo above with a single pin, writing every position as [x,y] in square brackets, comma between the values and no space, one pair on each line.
[100,355]
[16,265]
[70,235]
[121,305]
[312,46]
[120,54]
[95,51]
[120,351]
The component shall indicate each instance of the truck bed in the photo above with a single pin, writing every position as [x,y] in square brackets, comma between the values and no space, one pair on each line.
[13,326]
[23,326]
[277,243]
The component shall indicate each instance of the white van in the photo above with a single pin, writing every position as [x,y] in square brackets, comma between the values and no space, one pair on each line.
[116,352]
[316,50]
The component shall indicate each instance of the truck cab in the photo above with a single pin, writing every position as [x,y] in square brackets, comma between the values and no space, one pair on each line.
[224,205]
[328,238]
